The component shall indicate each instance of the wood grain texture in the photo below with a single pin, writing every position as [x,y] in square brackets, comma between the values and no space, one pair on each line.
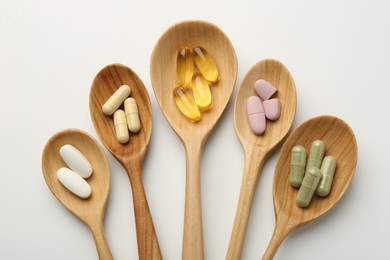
[341,143]
[258,148]
[131,154]
[92,210]
[193,135]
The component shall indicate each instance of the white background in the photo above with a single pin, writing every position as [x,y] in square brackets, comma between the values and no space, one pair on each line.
[337,51]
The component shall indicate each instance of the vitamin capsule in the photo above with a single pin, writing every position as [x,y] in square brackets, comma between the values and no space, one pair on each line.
[116,100]
[74,183]
[308,187]
[205,64]
[122,133]
[316,154]
[264,89]
[186,104]
[328,168]
[132,116]
[272,108]
[184,67]
[255,113]
[201,91]
[76,160]
[297,165]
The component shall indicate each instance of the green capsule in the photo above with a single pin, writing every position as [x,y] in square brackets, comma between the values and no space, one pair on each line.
[308,187]
[328,168]
[297,165]
[316,154]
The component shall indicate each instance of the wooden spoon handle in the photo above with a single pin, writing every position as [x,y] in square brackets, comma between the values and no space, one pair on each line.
[97,230]
[253,163]
[148,247]
[283,226]
[193,233]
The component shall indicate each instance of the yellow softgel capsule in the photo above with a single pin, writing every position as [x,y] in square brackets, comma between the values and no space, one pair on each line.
[201,91]
[184,67]
[186,104]
[205,64]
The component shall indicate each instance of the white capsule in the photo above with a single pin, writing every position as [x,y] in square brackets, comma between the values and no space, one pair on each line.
[116,100]
[76,160]
[132,115]
[120,122]
[74,183]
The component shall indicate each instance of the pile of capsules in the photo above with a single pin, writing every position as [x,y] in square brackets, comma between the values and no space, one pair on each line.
[123,120]
[191,105]
[318,176]
[80,169]
[258,111]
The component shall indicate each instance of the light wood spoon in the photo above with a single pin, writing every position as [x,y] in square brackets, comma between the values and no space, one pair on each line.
[92,210]
[258,148]
[193,135]
[131,154]
[341,143]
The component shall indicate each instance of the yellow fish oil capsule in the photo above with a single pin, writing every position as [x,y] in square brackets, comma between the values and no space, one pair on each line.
[132,115]
[297,165]
[308,187]
[122,133]
[201,91]
[186,104]
[205,64]
[184,67]
[316,154]
[328,168]
[116,100]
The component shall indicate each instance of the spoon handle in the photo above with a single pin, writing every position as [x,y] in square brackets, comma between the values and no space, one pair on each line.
[193,234]
[97,230]
[283,226]
[148,247]
[253,163]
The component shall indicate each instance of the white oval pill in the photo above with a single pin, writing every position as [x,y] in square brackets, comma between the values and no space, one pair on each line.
[76,160]
[74,183]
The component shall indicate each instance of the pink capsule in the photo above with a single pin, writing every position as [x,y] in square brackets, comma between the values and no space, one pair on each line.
[264,89]
[272,108]
[256,116]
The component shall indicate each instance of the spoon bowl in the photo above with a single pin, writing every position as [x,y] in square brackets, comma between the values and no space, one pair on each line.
[163,74]
[193,135]
[258,148]
[131,154]
[341,144]
[91,211]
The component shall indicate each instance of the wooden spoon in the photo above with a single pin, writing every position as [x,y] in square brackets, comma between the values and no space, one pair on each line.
[258,148]
[341,143]
[193,135]
[131,154]
[91,211]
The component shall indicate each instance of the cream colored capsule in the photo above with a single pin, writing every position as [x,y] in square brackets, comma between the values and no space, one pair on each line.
[120,122]
[116,100]
[132,115]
